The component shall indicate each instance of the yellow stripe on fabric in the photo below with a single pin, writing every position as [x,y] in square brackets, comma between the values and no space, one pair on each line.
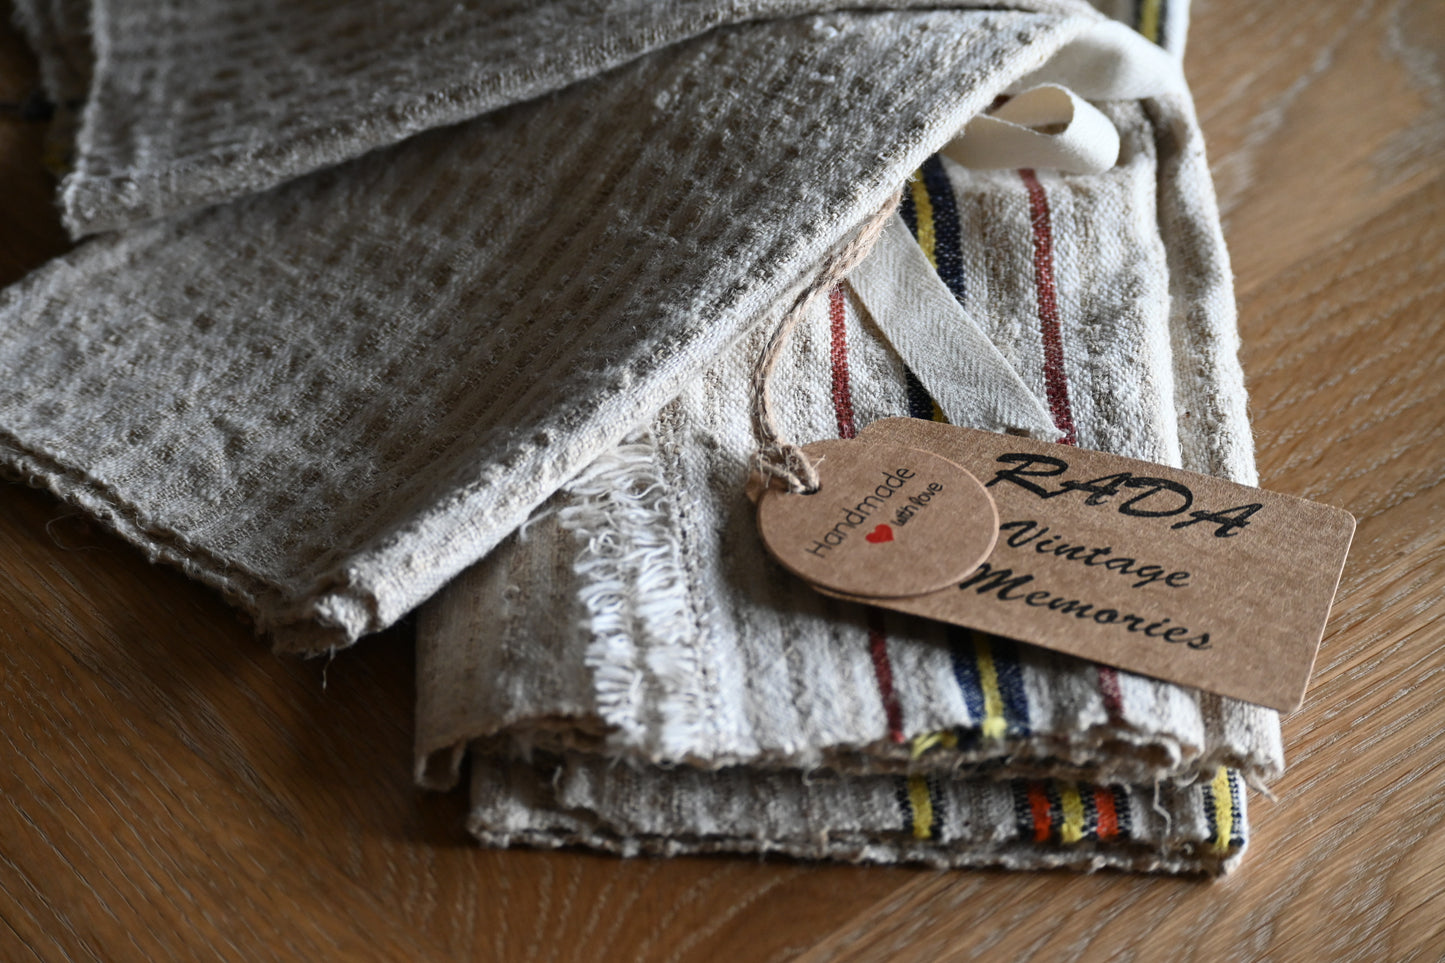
[922,807]
[925,741]
[1073,806]
[1149,19]
[994,723]
[923,208]
[1223,795]
[928,240]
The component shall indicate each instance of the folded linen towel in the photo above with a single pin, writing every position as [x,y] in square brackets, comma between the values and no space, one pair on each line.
[634,673]
[329,398]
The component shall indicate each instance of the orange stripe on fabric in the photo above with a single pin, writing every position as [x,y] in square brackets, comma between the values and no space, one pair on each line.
[1108,818]
[1039,807]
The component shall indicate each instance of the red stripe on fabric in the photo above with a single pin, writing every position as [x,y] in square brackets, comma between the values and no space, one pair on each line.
[843,409]
[1055,382]
[842,389]
[883,670]
[1113,696]
[1108,817]
[1039,808]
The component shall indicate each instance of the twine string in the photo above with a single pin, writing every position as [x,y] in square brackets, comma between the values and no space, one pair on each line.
[777,458]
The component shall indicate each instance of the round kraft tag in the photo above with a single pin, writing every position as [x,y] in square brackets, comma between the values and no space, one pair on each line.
[886,521]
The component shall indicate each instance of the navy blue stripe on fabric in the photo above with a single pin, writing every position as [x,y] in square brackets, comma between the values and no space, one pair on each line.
[947,239]
[1236,822]
[920,402]
[1023,811]
[1011,686]
[965,671]
[905,805]
[909,213]
[1206,802]
[940,810]
[1091,810]
[1056,807]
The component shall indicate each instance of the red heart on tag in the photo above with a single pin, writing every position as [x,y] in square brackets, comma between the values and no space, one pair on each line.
[883,533]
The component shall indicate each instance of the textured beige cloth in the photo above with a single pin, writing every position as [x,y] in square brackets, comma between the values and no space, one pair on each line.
[634,673]
[329,351]
[194,103]
[330,398]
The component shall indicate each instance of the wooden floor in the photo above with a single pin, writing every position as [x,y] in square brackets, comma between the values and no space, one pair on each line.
[172,790]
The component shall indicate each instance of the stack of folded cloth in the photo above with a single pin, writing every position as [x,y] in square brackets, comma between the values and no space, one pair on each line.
[632,672]
[327,353]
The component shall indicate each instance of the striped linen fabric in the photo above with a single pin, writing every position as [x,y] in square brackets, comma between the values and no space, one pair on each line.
[942,822]
[639,622]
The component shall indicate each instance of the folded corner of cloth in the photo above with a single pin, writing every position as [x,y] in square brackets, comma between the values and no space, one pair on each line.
[373,285]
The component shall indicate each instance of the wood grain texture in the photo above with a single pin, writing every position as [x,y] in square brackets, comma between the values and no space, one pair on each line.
[171,790]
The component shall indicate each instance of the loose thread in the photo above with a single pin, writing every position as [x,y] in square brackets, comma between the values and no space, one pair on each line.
[1254,782]
[776,457]
[1160,811]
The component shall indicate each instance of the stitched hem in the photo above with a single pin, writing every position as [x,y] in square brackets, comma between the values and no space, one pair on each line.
[320,622]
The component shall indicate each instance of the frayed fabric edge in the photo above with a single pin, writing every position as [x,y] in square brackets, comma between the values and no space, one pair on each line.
[635,590]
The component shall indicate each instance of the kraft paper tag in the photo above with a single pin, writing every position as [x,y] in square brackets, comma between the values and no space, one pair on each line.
[1163,572]
[887,520]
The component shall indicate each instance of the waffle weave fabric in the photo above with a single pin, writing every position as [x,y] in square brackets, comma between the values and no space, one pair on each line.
[192,104]
[329,398]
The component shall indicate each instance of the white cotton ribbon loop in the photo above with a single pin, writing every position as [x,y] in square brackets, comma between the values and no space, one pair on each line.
[968,377]
[1048,127]
[1048,124]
